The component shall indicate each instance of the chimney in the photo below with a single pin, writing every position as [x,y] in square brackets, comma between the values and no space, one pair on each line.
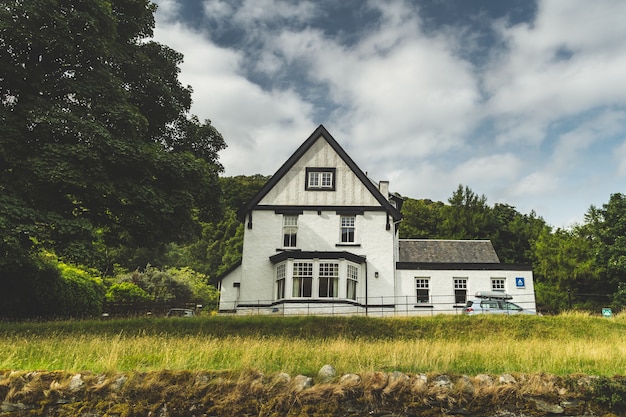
[383,187]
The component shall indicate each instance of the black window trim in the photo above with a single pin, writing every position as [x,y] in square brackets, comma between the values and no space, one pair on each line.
[332,170]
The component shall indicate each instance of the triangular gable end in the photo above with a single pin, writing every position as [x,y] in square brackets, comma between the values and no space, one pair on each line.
[312,139]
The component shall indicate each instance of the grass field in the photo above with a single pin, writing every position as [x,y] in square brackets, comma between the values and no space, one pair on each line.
[561,345]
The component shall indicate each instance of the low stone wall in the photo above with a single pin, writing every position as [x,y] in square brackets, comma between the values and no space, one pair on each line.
[251,393]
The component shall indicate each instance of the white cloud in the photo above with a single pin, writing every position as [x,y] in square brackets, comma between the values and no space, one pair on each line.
[217,9]
[407,107]
[619,154]
[253,122]
[568,61]
[397,90]
[259,11]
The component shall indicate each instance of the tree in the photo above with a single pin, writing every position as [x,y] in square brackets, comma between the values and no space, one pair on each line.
[513,233]
[468,216]
[221,244]
[612,235]
[564,261]
[98,150]
[421,219]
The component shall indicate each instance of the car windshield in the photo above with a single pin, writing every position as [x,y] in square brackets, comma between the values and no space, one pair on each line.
[511,306]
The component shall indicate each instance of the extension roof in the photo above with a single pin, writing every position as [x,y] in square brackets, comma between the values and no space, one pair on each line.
[322,134]
[447,251]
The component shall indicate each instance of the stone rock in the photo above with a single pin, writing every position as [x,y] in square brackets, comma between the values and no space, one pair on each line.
[350,380]
[420,382]
[442,381]
[119,383]
[507,379]
[378,381]
[301,382]
[7,407]
[398,376]
[326,374]
[76,383]
[465,385]
[485,380]
[547,407]
[282,378]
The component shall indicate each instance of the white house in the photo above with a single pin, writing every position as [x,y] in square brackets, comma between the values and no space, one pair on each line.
[322,238]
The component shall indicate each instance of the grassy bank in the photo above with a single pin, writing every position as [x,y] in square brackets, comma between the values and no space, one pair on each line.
[560,345]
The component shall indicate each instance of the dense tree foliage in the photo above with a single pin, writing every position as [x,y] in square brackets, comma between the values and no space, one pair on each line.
[468,216]
[97,144]
[98,155]
[221,244]
[581,267]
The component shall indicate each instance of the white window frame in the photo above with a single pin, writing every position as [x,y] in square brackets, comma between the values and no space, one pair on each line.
[422,284]
[281,279]
[302,279]
[320,179]
[347,225]
[352,281]
[328,279]
[498,284]
[290,231]
[326,179]
[460,284]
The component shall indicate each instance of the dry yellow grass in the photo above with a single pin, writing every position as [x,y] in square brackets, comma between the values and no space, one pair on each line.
[497,354]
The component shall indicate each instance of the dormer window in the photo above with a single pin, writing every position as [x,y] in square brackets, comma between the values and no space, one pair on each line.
[320,179]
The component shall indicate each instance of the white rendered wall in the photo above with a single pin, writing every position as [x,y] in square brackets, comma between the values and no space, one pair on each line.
[316,232]
[228,293]
[441,289]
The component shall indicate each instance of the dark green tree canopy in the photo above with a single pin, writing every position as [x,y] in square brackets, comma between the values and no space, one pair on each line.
[97,143]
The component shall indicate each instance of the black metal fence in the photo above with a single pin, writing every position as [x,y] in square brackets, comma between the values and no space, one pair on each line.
[144,309]
[384,306]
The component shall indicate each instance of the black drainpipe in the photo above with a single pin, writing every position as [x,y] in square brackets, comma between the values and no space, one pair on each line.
[366,295]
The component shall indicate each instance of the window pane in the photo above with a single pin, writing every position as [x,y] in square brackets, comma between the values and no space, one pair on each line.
[290,231]
[328,279]
[353,276]
[421,285]
[347,229]
[497,284]
[422,296]
[302,279]
[280,281]
[460,290]
[314,179]
[290,220]
[327,179]
[290,238]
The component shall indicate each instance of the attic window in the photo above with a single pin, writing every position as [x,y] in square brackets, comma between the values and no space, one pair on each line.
[322,179]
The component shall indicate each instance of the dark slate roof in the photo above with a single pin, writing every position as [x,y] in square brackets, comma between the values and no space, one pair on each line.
[447,251]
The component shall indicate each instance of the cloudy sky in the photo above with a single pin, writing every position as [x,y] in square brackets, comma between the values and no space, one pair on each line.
[522,101]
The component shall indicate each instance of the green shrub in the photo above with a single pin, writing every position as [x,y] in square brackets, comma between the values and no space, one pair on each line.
[80,293]
[45,287]
[202,292]
[126,292]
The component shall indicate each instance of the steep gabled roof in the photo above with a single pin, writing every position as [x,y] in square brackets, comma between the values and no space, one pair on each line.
[447,251]
[321,132]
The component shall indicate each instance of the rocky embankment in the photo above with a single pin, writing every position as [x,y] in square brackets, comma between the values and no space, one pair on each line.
[190,394]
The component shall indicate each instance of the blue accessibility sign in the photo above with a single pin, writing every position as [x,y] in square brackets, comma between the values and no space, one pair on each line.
[520,282]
